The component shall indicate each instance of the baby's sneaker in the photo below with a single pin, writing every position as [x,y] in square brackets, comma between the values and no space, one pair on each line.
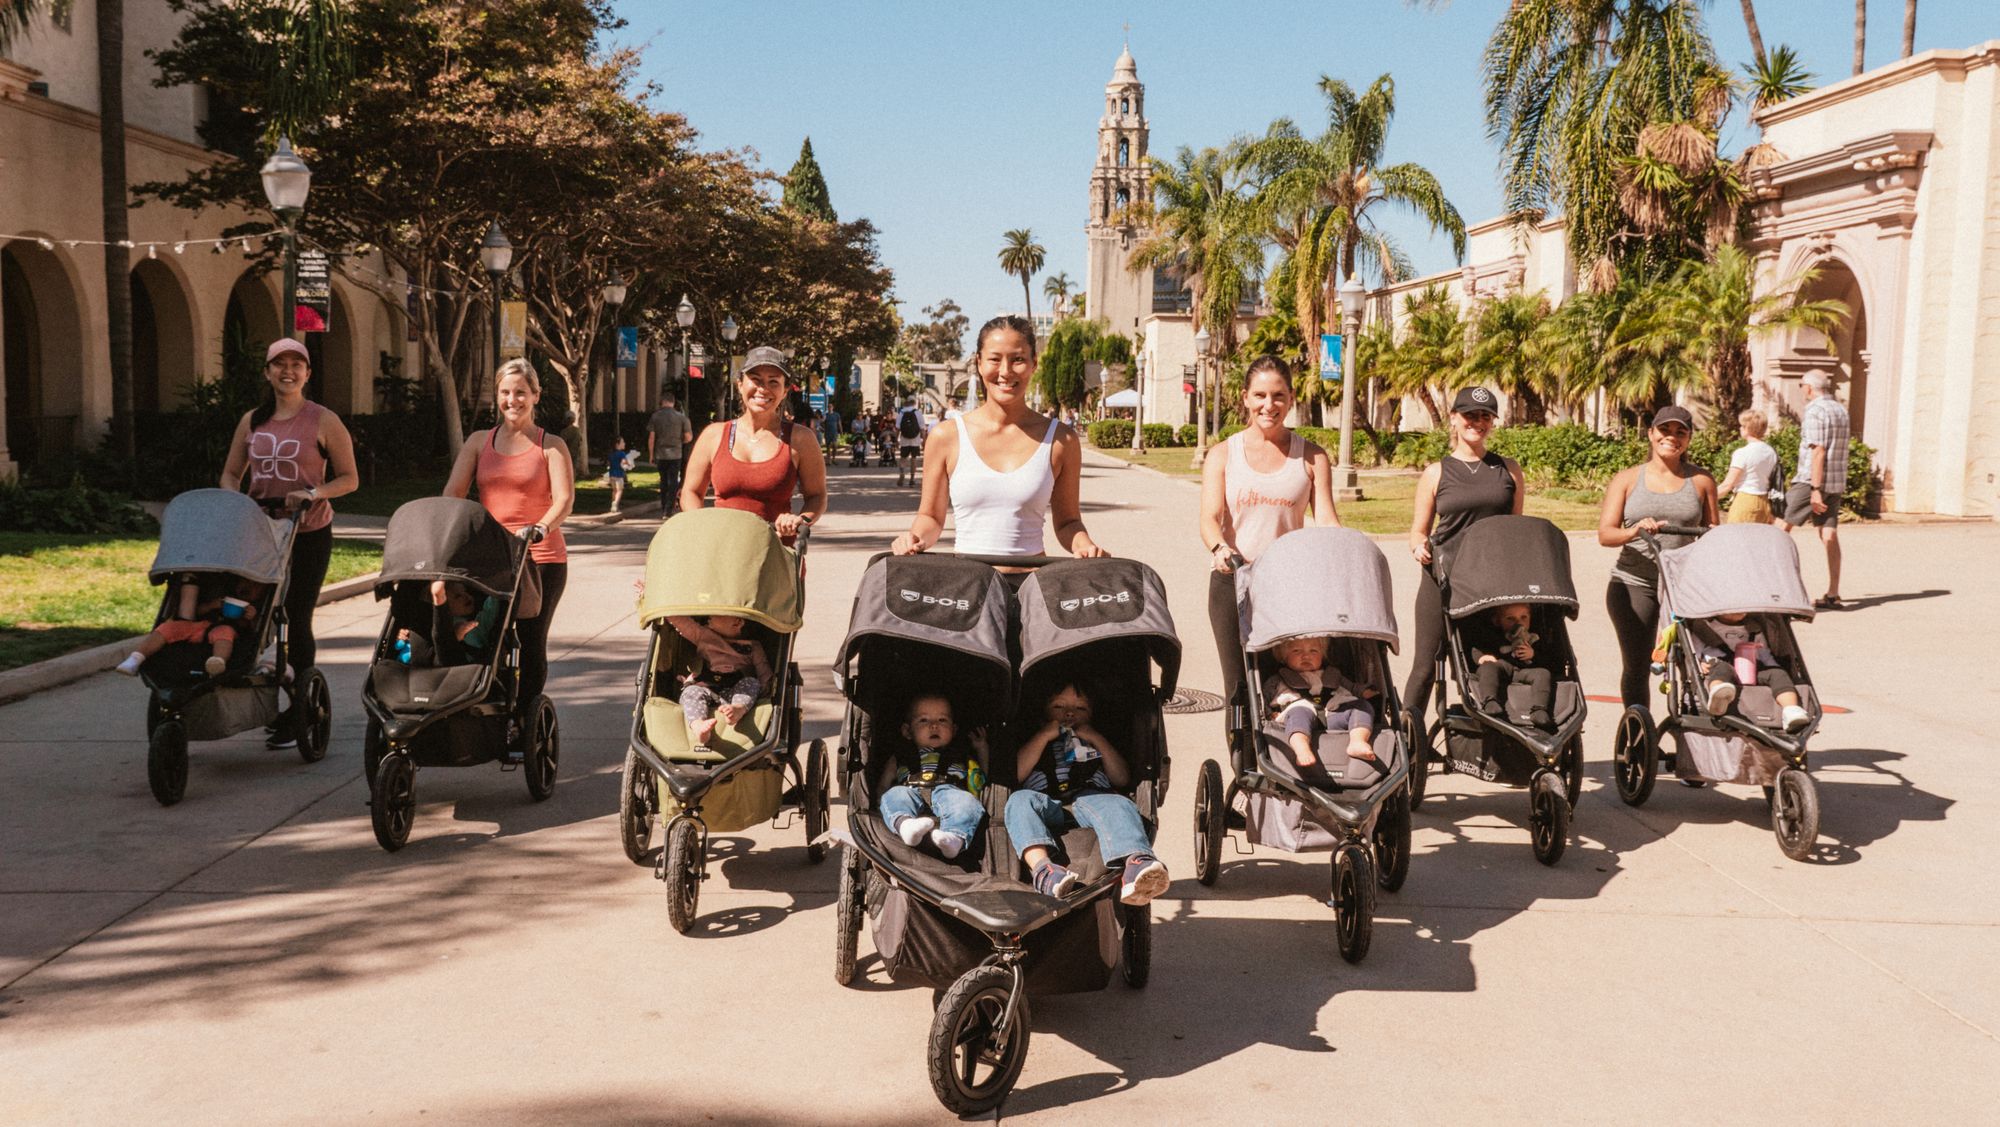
[948,842]
[1052,879]
[1795,718]
[1721,695]
[214,666]
[130,666]
[1145,878]
[913,830]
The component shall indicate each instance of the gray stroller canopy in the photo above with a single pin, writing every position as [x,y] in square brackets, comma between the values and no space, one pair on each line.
[1316,581]
[211,530]
[1509,559]
[1734,569]
[1073,603]
[452,539]
[953,604]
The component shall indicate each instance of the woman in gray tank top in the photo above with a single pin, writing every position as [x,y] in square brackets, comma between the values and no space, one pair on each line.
[1664,490]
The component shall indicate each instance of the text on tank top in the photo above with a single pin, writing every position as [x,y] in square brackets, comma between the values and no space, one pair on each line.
[1001,514]
[1265,506]
[1468,492]
[285,455]
[1636,564]
[764,488]
[516,489]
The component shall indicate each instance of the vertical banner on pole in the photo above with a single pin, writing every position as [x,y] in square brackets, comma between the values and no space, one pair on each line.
[628,347]
[1330,358]
[513,329]
[314,305]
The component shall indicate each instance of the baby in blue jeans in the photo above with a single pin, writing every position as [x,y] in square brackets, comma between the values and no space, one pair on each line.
[937,782]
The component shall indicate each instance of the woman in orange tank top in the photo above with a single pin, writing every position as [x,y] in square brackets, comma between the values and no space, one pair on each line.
[756,461]
[526,482]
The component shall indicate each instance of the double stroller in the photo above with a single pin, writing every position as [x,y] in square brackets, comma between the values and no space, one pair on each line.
[701,563]
[1315,582]
[435,699]
[1495,563]
[222,542]
[1734,569]
[972,928]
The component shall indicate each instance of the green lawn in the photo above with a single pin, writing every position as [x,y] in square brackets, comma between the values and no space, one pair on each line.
[63,593]
[593,495]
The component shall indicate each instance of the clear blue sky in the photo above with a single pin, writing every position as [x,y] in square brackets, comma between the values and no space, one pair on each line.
[948,123]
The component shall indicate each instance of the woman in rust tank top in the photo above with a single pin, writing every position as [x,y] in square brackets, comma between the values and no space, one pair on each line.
[756,461]
[291,453]
[525,481]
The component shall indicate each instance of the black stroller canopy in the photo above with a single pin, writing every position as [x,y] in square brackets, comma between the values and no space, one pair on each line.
[955,606]
[451,539]
[1509,559]
[1073,603]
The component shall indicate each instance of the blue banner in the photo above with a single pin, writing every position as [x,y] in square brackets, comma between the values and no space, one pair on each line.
[628,347]
[1329,357]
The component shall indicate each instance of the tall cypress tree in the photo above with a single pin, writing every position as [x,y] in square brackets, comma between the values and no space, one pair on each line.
[805,186]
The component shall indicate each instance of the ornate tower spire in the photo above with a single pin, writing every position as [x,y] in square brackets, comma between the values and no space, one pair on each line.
[1120,179]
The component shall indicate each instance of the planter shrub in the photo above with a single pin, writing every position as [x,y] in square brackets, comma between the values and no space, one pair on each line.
[1108,433]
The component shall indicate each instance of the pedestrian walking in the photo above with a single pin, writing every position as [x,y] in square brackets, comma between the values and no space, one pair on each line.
[757,461]
[1821,481]
[667,435]
[1753,474]
[297,455]
[911,430]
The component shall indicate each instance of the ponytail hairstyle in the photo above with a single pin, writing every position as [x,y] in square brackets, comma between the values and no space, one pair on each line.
[1013,321]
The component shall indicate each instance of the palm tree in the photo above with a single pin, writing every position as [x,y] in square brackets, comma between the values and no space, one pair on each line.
[1502,331]
[1022,257]
[1430,357]
[1909,28]
[1750,25]
[1056,288]
[1860,35]
[1777,77]
[1203,228]
[1318,197]
[1599,340]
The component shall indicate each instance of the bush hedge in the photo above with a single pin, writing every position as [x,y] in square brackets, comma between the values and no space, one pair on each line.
[77,507]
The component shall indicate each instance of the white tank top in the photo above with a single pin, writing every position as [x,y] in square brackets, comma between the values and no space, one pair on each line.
[1265,506]
[1001,514]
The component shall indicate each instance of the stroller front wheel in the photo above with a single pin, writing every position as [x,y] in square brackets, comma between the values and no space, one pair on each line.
[683,873]
[544,753]
[1795,813]
[1420,756]
[1548,817]
[1392,842]
[313,712]
[392,803]
[1353,901]
[1209,808]
[167,762]
[818,805]
[635,808]
[1635,758]
[976,1052]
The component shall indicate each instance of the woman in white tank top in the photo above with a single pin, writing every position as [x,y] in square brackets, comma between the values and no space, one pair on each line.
[1001,467]
[1263,486]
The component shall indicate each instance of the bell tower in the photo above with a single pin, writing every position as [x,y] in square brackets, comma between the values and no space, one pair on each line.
[1119,180]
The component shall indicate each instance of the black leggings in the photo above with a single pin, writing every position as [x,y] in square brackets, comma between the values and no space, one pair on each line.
[311,552]
[534,632]
[1228,636]
[1429,646]
[1635,616]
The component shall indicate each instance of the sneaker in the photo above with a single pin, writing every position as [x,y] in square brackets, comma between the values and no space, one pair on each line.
[913,830]
[948,843]
[1721,695]
[1053,880]
[1145,878]
[1795,718]
[130,666]
[214,666]
[282,736]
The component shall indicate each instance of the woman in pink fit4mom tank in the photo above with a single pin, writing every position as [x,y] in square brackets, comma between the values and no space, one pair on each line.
[526,481]
[1257,485]
[297,454]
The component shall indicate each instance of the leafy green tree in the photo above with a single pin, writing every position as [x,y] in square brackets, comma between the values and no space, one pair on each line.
[805,186]
[1777,77]
[941,338]
[1022,257]
[1502,331]
[1429,360]
[1056,287]
[1202,227]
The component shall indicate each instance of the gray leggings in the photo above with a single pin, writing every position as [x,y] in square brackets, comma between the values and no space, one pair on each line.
[1347,717]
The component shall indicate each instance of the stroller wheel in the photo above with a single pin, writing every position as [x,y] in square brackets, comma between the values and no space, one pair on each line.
[1420,756]
[313,712]
[1353,901]
[847,911]
[373,746]
[1548,817]
[392,804]
[683,875]
[635,808]
[544,752]
[818,804]
[1209,808]
[167,762]
[1795,813]
[1635,758]
[1392,842]
[1136,948]
[975,1052]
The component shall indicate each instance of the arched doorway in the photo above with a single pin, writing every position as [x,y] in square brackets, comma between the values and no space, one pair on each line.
[334,357]
[1844,351]
[41,354]
[163,338]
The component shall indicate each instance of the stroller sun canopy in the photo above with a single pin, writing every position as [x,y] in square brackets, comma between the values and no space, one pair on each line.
[722,561]
[951,604]
[452,539]
[1734,569]
[1071,604]
[220,530]
[1317,581]
[1509,559]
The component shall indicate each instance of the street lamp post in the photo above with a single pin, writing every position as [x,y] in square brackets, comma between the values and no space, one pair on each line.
[684,317]
[1202,341]
[1347,483]
[287,179]
[614,296]
[495,252]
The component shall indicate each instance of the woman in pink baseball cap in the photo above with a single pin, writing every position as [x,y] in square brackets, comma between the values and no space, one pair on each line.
[296,455]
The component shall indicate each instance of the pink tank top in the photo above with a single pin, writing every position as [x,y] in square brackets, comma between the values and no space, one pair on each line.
[1265,506]
[515,488]
[764,488]
[284,456]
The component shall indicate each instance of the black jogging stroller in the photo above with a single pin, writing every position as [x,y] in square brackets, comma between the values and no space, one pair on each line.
[1495,562]
[433,701]
[717,562]
[973,928]
[1750,569]
[1315,582]
[215,537]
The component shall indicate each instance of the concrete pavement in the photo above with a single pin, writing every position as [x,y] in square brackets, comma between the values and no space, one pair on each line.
[252,956]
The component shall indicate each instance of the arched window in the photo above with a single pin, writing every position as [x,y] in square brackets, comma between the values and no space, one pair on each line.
[1124,199]
[1124,152]
[1124,105]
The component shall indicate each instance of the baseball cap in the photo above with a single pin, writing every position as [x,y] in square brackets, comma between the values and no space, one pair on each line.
[1672,413]
[283,345]
[764,356]
[1470,399]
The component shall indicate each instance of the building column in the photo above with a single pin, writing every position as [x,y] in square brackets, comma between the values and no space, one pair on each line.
[8,470]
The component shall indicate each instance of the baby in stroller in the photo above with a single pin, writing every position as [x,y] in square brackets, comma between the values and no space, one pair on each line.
[937,781]
[1071,776]
[473,623]
[1735,651]
[197,619]
[1504,654]
[1309,697]
[734,671]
